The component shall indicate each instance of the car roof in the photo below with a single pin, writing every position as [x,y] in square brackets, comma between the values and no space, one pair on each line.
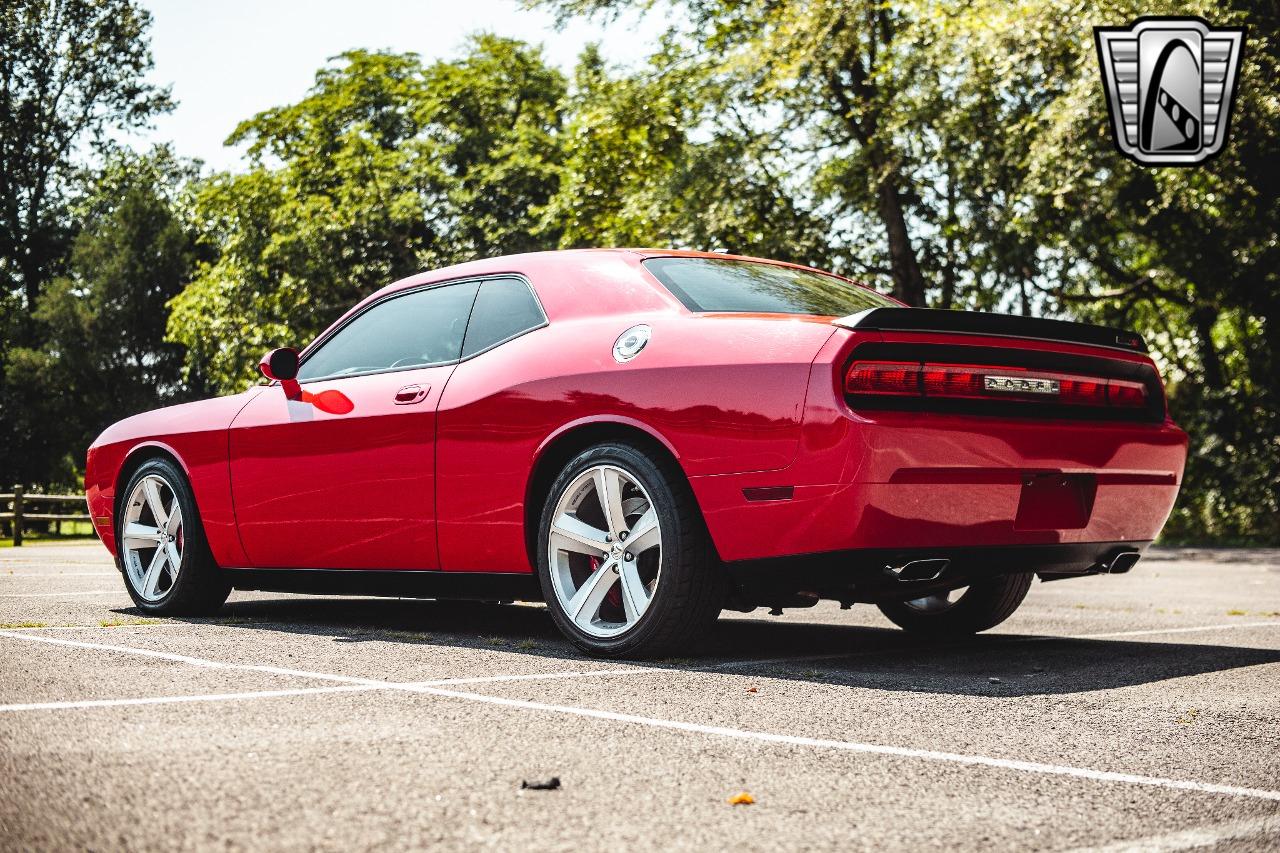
[575,257]
[604,281]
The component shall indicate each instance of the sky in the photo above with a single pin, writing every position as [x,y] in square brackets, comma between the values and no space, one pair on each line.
[228,60]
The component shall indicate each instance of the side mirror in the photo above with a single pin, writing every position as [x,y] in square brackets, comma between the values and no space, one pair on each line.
[280,364]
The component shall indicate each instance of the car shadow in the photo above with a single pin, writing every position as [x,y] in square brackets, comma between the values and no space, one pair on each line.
[997,665]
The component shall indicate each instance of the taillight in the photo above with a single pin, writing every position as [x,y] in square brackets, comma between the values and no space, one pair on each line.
[902,379]
[1123,393]
[989,382]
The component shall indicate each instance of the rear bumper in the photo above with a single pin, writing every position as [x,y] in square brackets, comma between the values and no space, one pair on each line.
[866,575]
[937,481]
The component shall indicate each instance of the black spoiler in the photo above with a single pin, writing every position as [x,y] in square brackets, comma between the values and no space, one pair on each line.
[997,325]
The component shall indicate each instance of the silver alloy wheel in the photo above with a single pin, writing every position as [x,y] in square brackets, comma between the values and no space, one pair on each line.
[152,538]
[938,603]
[605,551]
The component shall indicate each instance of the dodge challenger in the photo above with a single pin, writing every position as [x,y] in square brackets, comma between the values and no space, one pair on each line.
[644,438]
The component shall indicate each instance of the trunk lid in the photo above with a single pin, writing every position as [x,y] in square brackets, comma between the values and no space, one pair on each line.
[968,362]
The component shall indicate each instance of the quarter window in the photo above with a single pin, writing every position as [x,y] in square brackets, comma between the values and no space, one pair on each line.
[417,329]
[505,307]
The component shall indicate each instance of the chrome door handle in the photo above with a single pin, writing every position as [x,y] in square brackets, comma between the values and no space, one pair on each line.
[410,394]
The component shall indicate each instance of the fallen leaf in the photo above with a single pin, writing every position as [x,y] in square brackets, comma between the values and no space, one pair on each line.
[752,690]
[743,799]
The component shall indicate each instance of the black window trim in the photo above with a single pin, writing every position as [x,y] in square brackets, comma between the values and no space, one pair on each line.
[479,280]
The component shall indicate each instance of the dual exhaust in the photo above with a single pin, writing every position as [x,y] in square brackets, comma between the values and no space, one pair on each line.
[932,569]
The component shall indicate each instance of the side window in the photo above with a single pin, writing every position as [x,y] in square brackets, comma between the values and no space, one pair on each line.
[504,308]
[418,329]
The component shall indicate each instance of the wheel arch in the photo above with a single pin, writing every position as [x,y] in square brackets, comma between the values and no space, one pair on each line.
[570,440]
[138,456]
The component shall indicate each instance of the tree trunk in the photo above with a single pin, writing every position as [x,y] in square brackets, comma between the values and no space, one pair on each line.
[908,283]
[1203,320]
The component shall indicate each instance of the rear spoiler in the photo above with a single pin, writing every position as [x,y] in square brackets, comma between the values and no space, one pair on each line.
[992,325]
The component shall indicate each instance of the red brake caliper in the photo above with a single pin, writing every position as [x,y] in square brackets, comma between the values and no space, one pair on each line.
[614,595]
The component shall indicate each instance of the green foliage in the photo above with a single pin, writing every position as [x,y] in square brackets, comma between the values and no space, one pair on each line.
[69,71]
[663,158]
[102,325]
[956,152]
[975,134]
[385,168]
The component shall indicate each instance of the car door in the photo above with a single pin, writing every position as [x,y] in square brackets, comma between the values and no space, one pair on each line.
[344,477]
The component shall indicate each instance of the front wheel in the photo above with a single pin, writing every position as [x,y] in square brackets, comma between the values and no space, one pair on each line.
[166,562]
[962,611]
[624,559]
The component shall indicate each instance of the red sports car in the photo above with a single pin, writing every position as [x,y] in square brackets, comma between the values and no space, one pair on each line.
[643,438]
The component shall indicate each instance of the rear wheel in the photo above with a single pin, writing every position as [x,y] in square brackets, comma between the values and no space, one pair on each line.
[164,557]
[967,610]
[624,560]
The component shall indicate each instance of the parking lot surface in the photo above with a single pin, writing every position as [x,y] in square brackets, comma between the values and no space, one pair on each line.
[1132,712]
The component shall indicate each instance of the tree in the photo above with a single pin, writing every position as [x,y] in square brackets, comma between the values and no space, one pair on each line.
[101,325]
[385,168]
[984,122]
[836,77]
[1192,258]
[661,158]
[69,71]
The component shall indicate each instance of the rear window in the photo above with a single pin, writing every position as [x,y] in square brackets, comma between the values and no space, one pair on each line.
[721,284]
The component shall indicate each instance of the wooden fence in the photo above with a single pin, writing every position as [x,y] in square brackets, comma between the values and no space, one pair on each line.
[50,510]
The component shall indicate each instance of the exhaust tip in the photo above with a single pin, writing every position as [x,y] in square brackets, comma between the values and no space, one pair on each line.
[1122,562]
[920,570]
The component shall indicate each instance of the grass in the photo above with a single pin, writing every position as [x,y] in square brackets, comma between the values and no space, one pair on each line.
[124,623]
[526,645]
[231,620]
[23,625]
[72,531]
[411,636]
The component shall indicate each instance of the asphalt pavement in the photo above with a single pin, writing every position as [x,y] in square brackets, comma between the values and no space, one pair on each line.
[1132,712]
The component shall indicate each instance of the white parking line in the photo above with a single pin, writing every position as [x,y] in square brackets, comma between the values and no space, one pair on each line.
[193,661]
[1154,631]
[876,749]
[62,575]
[1200,836]
[168,700]
[718,731]
[298,691]
[120,592]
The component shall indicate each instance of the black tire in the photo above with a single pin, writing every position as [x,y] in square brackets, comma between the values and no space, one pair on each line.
[201,587]
[983,605]
[692,585]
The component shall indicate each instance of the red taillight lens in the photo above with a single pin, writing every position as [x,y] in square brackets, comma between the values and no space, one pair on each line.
[951,380]
[1082,392]
[987,382]
[881,377]
[1128,394]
